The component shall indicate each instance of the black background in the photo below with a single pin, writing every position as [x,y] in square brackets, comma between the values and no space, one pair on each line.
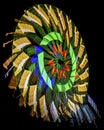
[88,17]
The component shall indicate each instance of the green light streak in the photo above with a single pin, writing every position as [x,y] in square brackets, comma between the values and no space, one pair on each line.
[61,87]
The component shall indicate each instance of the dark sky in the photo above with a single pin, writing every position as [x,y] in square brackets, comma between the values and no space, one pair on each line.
[88,17]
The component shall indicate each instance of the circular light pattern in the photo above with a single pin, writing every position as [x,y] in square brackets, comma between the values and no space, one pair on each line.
[50,66]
